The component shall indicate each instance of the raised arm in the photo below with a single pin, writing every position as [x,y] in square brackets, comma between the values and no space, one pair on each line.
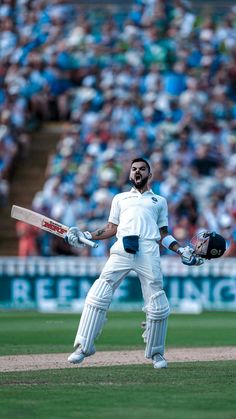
[75,237]
[109,230]
[186,253]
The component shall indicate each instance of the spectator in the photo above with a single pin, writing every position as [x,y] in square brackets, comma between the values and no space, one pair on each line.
[155,79]
[27,235]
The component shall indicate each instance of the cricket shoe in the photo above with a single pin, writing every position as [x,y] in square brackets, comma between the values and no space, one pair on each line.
[78,356]
[159,361]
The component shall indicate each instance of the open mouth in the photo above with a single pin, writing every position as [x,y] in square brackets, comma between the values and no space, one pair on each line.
[138,178]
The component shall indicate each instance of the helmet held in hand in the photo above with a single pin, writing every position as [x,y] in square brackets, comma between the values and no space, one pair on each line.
[209,245]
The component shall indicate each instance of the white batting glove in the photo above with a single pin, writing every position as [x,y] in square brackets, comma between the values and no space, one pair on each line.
[188,257]
[73,237]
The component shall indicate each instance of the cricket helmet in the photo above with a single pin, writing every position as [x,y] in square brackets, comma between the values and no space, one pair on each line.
[208,245]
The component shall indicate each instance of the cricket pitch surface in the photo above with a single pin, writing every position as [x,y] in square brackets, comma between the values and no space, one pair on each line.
[100,359]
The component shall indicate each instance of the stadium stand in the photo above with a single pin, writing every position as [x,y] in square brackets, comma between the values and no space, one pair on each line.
[155,79]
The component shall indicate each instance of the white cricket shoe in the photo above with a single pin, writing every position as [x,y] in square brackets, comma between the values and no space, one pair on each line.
[159,361]
[77,356]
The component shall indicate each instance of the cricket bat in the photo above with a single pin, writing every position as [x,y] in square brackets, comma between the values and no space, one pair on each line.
[45,223]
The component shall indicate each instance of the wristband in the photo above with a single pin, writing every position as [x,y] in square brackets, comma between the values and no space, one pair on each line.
[167,241]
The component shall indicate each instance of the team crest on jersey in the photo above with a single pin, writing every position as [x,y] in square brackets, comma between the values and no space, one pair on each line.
[154,199]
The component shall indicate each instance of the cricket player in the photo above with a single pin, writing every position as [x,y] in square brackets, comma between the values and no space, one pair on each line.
[139,219]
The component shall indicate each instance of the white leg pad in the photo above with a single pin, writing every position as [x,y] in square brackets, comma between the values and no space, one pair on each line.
[157,314]
[93,316]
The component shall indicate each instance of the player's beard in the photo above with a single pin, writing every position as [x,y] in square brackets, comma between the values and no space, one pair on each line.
[139,184]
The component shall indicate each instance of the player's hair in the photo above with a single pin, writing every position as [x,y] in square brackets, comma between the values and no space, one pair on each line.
[143,160]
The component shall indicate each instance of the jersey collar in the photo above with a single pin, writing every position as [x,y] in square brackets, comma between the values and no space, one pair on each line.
[133,190]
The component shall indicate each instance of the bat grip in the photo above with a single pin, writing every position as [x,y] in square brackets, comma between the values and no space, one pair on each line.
[88,242]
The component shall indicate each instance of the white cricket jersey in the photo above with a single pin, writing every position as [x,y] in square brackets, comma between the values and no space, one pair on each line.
[139,214]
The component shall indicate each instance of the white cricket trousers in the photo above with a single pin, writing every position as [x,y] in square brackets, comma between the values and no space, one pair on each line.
[146,263]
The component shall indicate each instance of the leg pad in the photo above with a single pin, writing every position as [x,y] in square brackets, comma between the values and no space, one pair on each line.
[93,316]
[157,314]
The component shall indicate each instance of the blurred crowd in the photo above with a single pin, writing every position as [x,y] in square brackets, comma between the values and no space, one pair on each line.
[32,82]
[155,80]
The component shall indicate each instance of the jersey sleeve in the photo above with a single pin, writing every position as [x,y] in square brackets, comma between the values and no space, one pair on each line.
[114,216]
[163,215]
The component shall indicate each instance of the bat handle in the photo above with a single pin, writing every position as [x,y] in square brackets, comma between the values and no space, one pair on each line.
[88,242]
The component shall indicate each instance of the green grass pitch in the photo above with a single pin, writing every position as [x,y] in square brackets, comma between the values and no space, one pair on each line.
[197,390]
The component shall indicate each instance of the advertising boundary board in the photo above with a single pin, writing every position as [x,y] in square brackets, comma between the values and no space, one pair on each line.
[61,284]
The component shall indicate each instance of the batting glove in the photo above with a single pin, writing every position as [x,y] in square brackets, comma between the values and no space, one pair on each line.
[74,235]
[188,257]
